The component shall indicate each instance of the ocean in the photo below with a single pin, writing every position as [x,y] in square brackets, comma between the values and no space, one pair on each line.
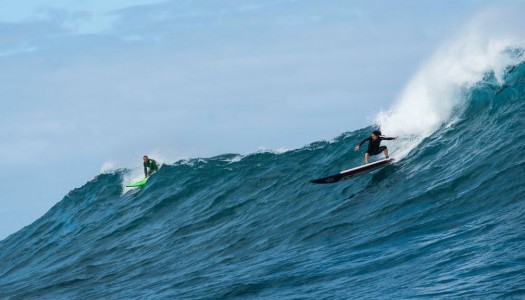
[445,221]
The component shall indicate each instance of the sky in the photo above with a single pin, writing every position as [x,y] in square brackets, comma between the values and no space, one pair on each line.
[91,85]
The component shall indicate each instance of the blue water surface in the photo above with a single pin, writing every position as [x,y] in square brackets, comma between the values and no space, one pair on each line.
[445,222]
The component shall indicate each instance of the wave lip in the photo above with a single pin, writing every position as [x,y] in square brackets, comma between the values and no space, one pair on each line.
[441,87]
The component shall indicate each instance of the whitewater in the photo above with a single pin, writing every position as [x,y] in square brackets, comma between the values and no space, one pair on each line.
[443,222]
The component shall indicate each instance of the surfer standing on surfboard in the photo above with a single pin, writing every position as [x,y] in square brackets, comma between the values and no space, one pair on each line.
[150,164]
[374,142]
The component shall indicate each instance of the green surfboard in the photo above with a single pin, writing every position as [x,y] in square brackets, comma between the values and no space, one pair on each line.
[140,183]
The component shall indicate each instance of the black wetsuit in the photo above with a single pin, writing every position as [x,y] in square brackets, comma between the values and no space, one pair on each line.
[374,147]
[152,165]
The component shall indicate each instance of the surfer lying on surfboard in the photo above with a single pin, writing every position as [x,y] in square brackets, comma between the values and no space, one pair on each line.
[374,142]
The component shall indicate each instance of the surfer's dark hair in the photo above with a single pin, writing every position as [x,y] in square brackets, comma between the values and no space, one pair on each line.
[376,132]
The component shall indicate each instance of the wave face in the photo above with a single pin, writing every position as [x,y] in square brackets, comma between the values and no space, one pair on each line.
[444,222]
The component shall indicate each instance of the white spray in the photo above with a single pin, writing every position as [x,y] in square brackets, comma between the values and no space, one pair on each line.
[429,99]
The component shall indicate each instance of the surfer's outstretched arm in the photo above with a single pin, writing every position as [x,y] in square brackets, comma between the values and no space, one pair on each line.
[389,138]
[362,142]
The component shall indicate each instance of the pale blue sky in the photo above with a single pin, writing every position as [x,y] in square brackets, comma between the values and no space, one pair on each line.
[90,82]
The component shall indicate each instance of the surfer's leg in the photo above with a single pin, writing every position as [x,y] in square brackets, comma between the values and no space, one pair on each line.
[366,158]
[386,152]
